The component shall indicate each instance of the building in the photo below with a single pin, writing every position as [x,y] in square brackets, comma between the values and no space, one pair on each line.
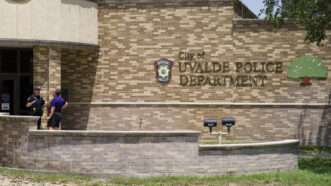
[163,65]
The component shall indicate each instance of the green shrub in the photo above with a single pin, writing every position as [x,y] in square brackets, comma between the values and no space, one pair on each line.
[317,165]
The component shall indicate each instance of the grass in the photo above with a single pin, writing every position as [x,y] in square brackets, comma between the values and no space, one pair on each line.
[41,177]
[312,172]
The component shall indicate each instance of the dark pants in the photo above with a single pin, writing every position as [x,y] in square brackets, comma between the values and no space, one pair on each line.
[55,120]
[39,123]
[39,120]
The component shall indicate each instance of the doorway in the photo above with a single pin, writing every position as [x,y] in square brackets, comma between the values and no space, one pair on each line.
[16,79]
[7,90]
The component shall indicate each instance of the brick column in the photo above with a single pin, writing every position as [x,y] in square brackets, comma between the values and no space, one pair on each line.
[54,70]
[40,69]
[46,71]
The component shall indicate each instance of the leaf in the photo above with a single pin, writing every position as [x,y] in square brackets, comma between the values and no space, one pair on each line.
[314,15]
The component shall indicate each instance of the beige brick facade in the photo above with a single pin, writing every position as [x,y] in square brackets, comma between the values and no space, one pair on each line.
[54,72]
[40,69]
[134,34]
[47,69]
[135,153]
[47,72]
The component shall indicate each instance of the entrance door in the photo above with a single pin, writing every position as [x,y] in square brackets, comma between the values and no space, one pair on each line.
[16,79]
[7,96]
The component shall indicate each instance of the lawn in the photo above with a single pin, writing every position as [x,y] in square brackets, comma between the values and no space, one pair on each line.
[312,172]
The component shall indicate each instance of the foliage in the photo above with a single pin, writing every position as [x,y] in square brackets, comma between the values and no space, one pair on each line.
[315,149]
[314,15]
[317,165]
[39,177]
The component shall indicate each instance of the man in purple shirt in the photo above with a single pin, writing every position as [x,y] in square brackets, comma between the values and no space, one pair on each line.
[57,105]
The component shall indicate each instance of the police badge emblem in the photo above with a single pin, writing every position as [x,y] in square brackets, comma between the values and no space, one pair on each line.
[163,70]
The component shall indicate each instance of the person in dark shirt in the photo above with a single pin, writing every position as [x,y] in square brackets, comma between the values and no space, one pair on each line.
[57,105]
[36,103]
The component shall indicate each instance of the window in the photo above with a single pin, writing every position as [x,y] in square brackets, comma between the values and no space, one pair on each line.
[8,61]
[16,75]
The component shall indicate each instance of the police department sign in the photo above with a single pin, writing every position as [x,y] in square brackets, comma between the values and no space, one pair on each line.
[197,69]
[163,70]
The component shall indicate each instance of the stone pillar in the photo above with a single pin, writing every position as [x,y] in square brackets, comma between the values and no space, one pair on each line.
[54,70]
[46,71]
[40,69]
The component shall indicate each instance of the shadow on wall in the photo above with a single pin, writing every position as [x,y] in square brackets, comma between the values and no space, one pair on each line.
[301,130]
[161,4]
[18,1]
[78,79]
[325,126]
[306,133]
[81,3]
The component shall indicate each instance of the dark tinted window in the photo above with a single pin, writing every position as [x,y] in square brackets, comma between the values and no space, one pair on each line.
[16,69]
[26,85]
[26,61]
[8,61]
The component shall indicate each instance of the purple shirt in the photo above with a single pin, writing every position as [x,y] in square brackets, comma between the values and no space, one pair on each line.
[58,102]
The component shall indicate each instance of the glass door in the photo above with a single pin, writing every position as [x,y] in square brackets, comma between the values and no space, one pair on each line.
[7,96]
[16,79]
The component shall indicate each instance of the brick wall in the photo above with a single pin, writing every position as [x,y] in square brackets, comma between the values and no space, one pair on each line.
[135,153]
[256,41]
[40,69]
[47,73]
[148,154]
[257,123]
[133,34]
[14,132]
[79,73]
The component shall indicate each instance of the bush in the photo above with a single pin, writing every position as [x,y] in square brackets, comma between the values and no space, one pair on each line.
[317,165]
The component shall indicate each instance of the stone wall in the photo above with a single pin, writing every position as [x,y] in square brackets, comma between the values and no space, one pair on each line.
[14,135]
[79,70]
[131,39]
[47,69]
[133,34]
[258,123]
[257,41]
[145,153]
[47,73]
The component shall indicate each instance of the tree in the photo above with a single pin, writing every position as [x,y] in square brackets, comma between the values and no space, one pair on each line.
[314,15]
[307,67]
